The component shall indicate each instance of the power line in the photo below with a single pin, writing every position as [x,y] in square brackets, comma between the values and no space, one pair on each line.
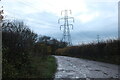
[66,26]
[30,4]
[24,3]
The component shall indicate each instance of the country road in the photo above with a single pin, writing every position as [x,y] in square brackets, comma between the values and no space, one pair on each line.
[69,67]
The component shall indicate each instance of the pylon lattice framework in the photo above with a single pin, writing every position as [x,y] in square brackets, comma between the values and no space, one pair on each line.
[66,26]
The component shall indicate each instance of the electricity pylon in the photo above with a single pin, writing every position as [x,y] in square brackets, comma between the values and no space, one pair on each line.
[66,26]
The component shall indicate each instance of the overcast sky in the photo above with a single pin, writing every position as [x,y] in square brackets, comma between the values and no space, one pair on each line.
[92,17]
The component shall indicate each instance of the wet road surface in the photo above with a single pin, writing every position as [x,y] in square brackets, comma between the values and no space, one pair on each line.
[69,67]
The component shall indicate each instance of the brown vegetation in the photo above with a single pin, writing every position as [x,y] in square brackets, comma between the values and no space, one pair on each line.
[106,51]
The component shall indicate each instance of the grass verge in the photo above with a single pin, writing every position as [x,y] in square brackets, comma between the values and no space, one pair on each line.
[43,67]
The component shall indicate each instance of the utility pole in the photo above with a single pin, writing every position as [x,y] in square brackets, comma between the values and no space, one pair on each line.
[1,18]
[66,26]
[119,20]
[98,37]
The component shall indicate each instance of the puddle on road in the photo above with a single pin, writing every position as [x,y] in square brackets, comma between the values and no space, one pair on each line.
[103,66]
[97,70]
[68,71]
[105,73]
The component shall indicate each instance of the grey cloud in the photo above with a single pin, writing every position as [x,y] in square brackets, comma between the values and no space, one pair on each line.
[45,23]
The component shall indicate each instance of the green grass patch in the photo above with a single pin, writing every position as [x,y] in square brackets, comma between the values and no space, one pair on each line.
[43,67]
